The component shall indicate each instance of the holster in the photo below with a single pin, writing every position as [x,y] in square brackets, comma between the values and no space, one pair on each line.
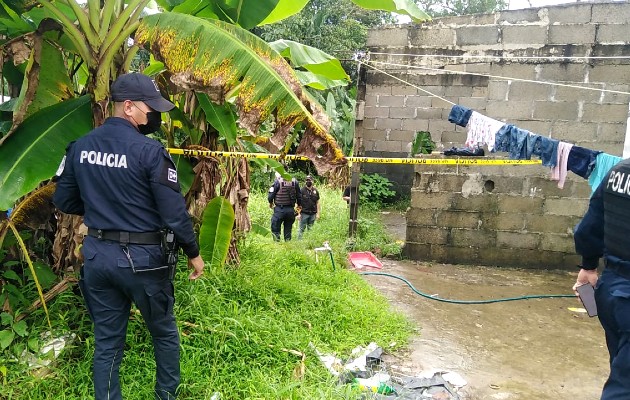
[170,251]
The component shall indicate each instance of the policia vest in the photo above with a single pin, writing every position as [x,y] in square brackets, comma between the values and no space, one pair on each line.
[617,211]
[286,194]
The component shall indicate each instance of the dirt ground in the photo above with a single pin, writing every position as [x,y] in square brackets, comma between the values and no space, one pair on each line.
[528,349]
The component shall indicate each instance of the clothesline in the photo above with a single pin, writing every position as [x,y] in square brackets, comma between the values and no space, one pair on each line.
[445,71]
[407,83]
[508,58]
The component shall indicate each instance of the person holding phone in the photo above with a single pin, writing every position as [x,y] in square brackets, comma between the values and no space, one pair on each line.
[605,232]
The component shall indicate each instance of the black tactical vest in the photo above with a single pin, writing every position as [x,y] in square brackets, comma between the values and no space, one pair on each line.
[286,193]
[309,200]
[617,211]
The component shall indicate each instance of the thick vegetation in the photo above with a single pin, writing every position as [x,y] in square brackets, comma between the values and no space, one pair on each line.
[243,327]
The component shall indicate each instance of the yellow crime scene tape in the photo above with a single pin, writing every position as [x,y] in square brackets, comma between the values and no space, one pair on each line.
[376,160]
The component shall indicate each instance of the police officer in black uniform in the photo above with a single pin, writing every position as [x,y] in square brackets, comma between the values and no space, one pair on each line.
[310,206]
[125,185]
[605,232]
[282,197]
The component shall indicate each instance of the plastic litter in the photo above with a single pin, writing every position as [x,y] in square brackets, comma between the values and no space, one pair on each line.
[364,259]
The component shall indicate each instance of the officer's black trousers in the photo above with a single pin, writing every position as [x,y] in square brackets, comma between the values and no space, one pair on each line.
[612,295]
[109,287]
[282,216]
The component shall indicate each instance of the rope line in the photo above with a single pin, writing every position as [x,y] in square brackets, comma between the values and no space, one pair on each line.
[407,83]
[445,71]
[509,58]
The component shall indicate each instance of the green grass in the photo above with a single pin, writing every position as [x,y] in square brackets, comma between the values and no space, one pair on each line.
[236,321]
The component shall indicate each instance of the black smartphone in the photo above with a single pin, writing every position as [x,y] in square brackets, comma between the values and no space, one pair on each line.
[587,296]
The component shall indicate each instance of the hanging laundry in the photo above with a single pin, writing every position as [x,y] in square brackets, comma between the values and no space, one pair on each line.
[522,144]
[482,130]
[459,115]
[559,172]
[545,148]
[603,163]
[582,161]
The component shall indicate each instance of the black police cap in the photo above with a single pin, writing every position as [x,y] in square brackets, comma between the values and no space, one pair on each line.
[139,87]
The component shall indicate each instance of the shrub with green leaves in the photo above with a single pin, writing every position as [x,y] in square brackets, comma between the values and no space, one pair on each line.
[375,189]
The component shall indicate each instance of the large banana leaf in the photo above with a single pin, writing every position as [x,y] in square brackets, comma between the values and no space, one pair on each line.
[319,82]
[215,57]
[32,154]
[284,9]
[407,7]
[245,13]
[39,89]
[216,231]
[185,173]
[310,58]
[220,117]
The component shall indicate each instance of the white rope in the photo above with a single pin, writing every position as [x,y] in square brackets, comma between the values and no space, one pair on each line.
[407,83]
[446,71]
[509,58]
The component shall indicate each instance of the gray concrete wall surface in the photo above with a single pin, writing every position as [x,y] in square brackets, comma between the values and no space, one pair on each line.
[525,220]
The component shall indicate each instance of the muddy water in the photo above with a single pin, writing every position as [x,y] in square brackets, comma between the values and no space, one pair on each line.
[529,349]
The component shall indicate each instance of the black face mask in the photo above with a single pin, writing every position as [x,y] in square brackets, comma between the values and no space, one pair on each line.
[154,120]
[309,184]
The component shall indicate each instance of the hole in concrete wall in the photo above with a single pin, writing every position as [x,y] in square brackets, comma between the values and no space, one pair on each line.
[488,186]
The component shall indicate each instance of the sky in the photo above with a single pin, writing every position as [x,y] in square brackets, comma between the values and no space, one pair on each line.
[520,4]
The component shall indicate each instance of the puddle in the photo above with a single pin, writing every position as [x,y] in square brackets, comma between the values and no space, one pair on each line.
[527,349]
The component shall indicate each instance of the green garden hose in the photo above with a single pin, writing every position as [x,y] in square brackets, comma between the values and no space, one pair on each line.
[537,296]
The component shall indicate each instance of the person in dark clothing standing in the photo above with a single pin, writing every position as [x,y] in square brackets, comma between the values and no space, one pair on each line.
[604,232]
[125,185]
[310,206]
[282,197]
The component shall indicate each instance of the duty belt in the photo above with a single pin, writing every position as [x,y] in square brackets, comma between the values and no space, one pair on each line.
[127,237]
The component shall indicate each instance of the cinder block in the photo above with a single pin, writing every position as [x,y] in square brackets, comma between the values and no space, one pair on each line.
[556,110]
[615,133]
[415,124]
[480,91]
[441,125]
[472,238]
[390,101]
[387,37]
[404,90]
[376,112]
[371,100]
[527,258]
[610,73]
[374,135]
[458,91]
[529,34]
[403,136]
[449,182]
[572,14]
[518,16]
[581,190]
[509,109]
[610,148]
[506,222]
[558,224]
[367,123]
[421,217]
[427,235]
[402,112]
[477,35]
[378,89]
[572,34]
[545,187]
[618,33]
[498,90]
[528,91]
[560,243]
[517,240]
[574,131]
[616,98]
[432,201]
[565,207]
[417,251]
[514,70]
[506,184]
[432,37]
[388,123]
[610,13]
[417,101]
[562,73]
[428,113]
[572,94]
[458,219]
[450,139]
[542,128]
[474,19]
[475,103]
[486,203]
[455,255]
[389,145]
[605,112]
[519,204]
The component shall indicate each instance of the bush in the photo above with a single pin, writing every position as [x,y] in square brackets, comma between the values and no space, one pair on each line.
[375,189]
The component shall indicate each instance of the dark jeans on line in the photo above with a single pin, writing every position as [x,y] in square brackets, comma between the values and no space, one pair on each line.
[109,286]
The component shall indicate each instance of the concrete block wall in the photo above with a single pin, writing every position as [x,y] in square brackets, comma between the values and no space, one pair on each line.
[525,220]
